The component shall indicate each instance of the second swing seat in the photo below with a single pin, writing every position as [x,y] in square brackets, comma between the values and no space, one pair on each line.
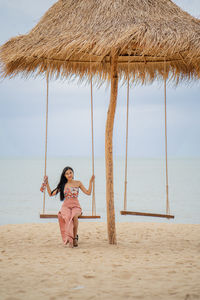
[136,213]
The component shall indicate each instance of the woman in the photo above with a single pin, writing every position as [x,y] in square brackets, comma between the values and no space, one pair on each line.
[70,210]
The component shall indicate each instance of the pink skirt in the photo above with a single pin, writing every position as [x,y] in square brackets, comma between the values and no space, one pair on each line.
[69,209]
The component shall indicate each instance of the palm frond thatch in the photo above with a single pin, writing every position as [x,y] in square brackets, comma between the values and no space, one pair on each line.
[77,36]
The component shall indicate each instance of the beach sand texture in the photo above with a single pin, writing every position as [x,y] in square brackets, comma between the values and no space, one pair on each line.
[150,261]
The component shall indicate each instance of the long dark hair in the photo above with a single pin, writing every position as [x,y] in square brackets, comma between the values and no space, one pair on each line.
[62,182]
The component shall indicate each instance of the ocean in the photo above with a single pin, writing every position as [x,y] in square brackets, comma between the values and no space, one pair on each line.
[21,200]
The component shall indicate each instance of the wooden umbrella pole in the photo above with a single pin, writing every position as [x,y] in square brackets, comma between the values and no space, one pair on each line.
[109,151]
[127,110]
[92,126]
[45,166]
[166,161]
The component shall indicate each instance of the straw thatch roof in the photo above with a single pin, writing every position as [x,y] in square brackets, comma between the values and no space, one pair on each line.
[73,33]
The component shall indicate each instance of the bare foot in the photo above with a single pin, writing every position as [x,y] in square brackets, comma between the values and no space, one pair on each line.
[71,245]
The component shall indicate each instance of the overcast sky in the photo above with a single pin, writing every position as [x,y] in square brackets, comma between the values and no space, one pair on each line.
[22,107]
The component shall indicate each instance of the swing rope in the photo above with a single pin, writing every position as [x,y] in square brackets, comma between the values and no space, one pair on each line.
[166,161]
[92,127]
[127,110]
[53,215]
[45,164]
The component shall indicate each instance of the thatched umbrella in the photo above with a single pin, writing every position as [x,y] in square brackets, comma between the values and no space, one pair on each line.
[111,39]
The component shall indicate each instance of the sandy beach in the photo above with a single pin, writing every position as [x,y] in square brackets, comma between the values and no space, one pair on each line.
[150,261]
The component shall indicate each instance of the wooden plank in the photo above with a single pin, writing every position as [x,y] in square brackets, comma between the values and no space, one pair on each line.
[136,213]
[55,216]
[139,59]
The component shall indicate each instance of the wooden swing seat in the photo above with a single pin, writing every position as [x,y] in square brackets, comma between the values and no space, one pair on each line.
[55,216]
[136,213]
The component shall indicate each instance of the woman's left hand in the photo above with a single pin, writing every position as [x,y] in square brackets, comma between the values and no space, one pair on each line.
[92,178]
[45,179]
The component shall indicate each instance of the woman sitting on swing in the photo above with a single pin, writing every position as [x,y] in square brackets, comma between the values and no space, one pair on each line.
[71,209]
